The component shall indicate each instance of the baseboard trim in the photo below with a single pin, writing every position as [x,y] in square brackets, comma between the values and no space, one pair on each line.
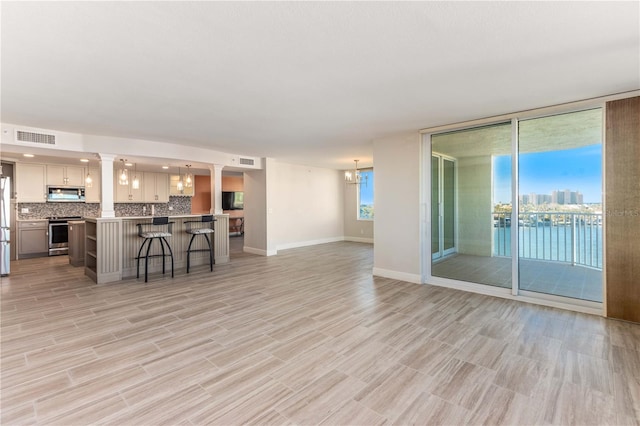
[259,252]
[396,275]
[309,243]
[359,240]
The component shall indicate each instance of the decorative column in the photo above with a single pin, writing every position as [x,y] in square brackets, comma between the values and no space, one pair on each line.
[216,188]
[106,189]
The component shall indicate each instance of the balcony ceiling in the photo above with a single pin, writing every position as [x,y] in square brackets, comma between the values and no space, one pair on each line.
[305,82]
[554,133]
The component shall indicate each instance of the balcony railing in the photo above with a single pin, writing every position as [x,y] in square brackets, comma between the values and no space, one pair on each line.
[574,238]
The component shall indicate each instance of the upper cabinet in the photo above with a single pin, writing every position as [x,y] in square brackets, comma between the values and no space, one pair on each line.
[156,187]
[127,193]
[31,183]
[188,191]
[65,175]
[92,193]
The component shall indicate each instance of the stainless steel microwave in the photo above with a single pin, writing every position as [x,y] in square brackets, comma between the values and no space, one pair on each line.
[65,194]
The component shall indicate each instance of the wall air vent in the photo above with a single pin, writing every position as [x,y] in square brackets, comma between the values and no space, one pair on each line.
[22,136]
[246,161]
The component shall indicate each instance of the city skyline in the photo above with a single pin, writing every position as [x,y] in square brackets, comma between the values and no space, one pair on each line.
[579,169]
[560,197]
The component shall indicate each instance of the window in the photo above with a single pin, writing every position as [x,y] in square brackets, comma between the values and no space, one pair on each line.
[365,195]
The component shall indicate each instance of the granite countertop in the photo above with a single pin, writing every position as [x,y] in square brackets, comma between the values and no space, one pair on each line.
[150,217]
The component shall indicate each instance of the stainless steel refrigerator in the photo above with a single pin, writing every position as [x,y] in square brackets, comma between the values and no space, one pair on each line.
[5,222]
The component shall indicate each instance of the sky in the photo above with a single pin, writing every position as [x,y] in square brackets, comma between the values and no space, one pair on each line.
[578,169]
[366,191]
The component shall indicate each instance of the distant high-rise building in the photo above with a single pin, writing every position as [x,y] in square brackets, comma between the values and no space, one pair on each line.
[566,197]
[561,197]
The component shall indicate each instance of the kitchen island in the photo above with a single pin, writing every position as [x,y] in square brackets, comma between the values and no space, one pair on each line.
[112,244]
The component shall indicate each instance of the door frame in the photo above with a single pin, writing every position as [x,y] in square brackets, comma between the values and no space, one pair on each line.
[442,252]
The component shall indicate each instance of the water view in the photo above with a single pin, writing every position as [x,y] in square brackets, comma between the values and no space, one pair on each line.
[574,238]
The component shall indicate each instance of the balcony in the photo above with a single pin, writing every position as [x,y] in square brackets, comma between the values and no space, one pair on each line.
[560,253]
[573,238]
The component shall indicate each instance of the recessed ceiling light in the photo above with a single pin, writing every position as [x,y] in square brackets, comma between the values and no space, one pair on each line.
[128,164]
[84,160]
[28,155]
[165,167]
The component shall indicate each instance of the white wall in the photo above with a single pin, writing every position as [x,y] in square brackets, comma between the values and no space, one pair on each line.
[354,229]
[255,212]
[306,203]
[397,207]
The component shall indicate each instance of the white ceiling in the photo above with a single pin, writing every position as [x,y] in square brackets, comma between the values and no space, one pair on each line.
[304,82]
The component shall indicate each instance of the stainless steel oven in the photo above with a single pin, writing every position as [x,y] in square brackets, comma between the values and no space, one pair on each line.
[59,234]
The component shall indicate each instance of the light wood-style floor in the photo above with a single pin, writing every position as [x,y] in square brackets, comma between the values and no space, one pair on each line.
[305,337]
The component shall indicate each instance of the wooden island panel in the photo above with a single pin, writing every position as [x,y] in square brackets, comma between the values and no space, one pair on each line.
[112,245]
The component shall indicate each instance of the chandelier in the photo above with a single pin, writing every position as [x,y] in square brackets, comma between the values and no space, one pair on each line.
[355,177]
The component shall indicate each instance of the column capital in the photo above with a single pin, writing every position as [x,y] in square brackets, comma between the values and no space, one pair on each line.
[107,157]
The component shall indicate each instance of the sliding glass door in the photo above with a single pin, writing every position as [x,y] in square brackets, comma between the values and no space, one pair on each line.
[557,231]
[560,213]
[470,211]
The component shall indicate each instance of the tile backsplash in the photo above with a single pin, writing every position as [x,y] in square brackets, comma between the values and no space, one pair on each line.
[181,205]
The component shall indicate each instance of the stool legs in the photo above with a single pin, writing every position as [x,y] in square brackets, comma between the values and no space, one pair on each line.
[148,242]
[146,261]
[210,251]
[189,252]
[170,254]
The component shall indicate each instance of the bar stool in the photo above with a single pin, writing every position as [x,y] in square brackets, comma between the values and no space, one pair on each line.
[149,236]
[205,228]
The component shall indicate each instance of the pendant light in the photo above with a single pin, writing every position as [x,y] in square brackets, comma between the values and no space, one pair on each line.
[180,185]
[354,176]
[88,181]
[123,174]
[188,180]
[135,184]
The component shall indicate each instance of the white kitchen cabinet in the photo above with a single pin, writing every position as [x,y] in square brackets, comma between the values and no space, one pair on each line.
[174,187]
[92,195]
[127,193]
[31,183]
[65,175]
[156,187]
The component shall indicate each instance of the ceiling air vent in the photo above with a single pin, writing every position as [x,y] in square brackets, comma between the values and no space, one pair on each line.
[246,161]
[22,136]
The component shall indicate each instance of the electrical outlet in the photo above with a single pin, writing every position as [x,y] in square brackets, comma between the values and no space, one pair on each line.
[170,208]
[24,210]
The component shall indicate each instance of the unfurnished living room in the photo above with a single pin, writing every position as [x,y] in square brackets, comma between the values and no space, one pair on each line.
[336,213]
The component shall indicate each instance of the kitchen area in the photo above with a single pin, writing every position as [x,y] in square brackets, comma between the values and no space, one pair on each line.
[53,209]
